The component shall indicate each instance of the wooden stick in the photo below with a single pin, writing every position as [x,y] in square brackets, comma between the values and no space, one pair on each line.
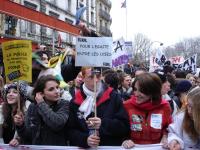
[95,95]
[18,98]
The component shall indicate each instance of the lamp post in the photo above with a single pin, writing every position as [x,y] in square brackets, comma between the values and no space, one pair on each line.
[152,53]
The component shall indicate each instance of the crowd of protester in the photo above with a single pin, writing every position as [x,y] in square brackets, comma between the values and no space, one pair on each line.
[144,108]
[103,108]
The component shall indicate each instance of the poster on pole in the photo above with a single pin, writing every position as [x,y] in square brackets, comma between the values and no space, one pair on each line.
[120,55]
[189,64]
[129,49]
[176,59]
[94,51]
[17,58]
[157,60]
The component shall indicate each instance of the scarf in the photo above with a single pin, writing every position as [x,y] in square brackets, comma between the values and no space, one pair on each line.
[147,106]
[87,105]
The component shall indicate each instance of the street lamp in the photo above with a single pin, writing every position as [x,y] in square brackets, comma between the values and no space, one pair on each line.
[160,43]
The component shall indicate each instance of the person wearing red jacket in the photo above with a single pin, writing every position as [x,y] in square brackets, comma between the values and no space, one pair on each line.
[149,114]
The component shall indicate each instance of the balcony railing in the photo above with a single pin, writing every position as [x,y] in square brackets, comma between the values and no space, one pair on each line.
[105,31]
[104,15]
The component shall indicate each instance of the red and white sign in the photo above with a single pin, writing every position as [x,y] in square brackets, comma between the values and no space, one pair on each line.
[177,59]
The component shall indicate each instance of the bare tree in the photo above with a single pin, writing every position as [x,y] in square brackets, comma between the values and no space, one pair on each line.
[185,48]
[141,47]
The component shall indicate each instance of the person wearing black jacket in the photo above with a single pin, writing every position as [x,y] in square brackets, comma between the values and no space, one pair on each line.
[111,122]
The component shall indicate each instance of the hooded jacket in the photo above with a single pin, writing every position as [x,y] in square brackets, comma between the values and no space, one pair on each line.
[148,122]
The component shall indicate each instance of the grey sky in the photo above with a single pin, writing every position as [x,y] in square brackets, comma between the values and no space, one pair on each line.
[168,21]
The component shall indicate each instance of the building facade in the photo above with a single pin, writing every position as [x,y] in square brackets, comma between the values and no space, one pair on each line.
[65,10]
[104,19]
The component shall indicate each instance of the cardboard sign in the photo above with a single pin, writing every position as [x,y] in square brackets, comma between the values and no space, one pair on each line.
[188,65]
[94,51]
[176,59]
[17,58]
[120,55]
[157,60]
[129,49]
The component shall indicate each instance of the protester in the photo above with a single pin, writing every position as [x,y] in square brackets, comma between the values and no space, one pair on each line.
[45,122]
[84,31]
[191,78]
[111,78]
[183,86]
[111,122]
[172,80]
[139,71]
[149,114]
[168,69]
[164,91]
[76,84]
[11,97]
[129,68]
[184,132]
[125,89]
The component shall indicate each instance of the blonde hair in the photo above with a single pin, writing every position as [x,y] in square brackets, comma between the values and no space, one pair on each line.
[83,70]
[191,124]
[189,75]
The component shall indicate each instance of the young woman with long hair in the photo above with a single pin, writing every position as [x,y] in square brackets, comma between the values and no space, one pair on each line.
[10,108]
[184,132]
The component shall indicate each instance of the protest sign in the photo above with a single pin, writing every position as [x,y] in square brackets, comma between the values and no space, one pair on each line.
[120,55]
[40,147]
[176,59]
[188,65]
[17,60]
[94,51]
[129,49]
[157,60]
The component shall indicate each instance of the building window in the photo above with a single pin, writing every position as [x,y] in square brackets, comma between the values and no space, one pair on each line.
[53,14]
[92,3]
[101,23]
[10,25]
[92,18]
[30,5]
[53,2]
[106,9]
[31,27]
[100,6]
[68,20]
[69,5]
[106,25]
[69,38]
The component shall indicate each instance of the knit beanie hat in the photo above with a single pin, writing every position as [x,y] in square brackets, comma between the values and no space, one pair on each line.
[22,89]
[161,75]
[183,86]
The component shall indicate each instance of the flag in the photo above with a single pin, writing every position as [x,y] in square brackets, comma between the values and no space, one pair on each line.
[79,13]
[123,4]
